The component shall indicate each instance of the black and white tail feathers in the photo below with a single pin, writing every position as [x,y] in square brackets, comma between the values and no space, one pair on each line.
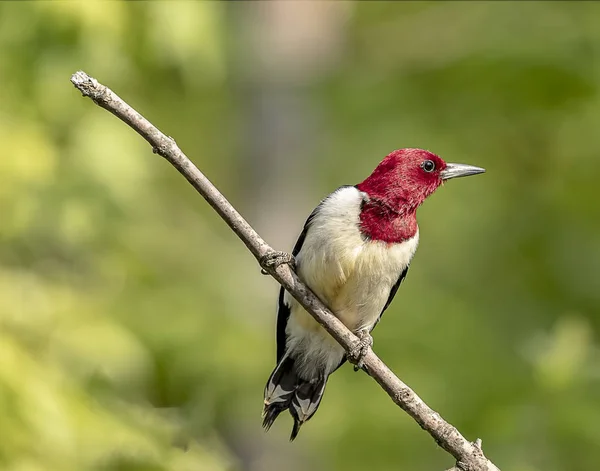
[286,390]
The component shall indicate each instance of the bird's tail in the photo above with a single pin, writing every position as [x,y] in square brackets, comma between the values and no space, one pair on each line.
[286,390]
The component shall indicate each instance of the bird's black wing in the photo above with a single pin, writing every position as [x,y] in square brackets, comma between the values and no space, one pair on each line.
[283,310]
[393,292]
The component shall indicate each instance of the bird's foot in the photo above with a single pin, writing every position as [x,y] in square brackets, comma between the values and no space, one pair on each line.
[274,259]
[357,354]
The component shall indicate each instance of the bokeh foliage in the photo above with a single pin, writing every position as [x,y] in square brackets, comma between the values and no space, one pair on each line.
[135,330]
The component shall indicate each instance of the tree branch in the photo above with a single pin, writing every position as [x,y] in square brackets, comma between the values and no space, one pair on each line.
[469,456]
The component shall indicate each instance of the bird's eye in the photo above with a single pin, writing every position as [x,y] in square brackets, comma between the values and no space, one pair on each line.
[428,166]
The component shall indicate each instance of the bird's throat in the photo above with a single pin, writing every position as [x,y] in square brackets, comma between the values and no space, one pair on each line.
[382,221]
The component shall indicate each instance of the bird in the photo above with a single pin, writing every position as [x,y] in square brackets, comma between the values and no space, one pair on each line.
[353,253]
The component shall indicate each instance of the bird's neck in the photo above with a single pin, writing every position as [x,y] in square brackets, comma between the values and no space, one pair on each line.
[388,221]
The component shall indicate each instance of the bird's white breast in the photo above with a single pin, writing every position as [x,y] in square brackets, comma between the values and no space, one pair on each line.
[352,275]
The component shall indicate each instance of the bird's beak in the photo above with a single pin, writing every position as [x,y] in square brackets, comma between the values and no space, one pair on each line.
[459,170]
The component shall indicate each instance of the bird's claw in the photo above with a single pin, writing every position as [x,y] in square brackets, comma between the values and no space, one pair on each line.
[358,353]
[274,259]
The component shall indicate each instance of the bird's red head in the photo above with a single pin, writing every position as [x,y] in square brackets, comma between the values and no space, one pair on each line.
[396,188]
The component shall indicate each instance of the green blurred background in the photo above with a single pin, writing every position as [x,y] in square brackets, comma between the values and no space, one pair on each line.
[136,332]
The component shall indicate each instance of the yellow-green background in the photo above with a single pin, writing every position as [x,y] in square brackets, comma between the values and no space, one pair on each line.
[136,332]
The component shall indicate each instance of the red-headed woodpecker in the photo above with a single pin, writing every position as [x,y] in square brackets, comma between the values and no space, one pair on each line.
[353,253]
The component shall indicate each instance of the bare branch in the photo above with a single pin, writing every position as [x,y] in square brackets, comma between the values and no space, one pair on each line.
[469,456]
